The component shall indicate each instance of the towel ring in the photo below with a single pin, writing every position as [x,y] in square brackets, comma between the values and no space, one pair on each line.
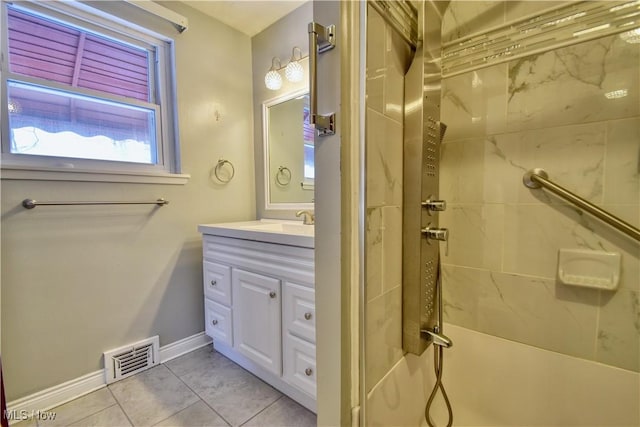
[218,168]
[283,176]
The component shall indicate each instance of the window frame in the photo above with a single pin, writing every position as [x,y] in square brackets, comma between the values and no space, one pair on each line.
[162,99]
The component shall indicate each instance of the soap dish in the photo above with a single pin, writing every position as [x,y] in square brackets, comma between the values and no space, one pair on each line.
[588,268]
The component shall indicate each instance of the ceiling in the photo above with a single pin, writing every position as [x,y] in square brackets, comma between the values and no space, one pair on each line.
[247,16]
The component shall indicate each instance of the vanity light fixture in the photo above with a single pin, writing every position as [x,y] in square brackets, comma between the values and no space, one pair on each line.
[273,80]
[294,72]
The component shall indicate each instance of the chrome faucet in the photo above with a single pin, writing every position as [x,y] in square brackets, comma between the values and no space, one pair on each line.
[309,218]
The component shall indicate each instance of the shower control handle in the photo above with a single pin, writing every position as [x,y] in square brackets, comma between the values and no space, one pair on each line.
[432,233]
[434,205]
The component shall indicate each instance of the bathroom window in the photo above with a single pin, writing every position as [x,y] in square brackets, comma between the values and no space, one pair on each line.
[84,94]
[309,151]
[309,168]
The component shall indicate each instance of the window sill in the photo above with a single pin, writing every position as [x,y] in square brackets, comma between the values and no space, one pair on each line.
[45,174]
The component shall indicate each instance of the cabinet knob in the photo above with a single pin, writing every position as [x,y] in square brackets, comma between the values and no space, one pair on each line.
[272,294]
[308,372]
[213,283]
[214,321]
[307,316]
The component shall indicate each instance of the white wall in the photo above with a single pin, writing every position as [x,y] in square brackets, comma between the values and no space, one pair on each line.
[77,281]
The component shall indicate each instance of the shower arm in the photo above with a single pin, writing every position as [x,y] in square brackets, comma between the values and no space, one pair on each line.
[537,178]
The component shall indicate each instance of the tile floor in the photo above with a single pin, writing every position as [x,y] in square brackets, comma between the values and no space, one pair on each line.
[201,388]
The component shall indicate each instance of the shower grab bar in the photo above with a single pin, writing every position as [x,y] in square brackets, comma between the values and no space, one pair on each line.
[31,203]
[321,39]
[537,178]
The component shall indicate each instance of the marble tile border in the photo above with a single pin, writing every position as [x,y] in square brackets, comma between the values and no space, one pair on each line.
[472,46]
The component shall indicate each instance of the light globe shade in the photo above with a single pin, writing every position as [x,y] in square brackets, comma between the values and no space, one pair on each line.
[294,72]
[273,80]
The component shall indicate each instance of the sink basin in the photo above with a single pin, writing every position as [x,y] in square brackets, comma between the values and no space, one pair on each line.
[292,233]
[282,227]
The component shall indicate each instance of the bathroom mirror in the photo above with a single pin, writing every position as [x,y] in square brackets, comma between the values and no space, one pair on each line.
[288,152]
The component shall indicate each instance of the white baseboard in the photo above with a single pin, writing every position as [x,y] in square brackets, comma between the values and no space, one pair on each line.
[70,390]
[59,394]
[183,346]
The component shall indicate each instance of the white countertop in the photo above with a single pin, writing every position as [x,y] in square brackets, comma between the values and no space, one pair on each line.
[293,233]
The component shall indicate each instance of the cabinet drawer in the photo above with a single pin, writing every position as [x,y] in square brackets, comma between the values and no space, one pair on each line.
[299,311]
[218,322]
[217,282]
[300,364]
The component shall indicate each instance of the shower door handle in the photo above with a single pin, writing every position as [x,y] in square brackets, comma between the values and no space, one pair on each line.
[321,39]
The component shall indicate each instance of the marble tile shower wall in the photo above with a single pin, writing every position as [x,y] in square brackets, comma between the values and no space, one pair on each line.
[386,60]
[550,111]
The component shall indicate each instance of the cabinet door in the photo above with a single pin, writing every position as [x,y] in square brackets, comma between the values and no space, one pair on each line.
[256,319]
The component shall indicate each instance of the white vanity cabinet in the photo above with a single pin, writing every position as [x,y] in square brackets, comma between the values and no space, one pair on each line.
[260,310]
